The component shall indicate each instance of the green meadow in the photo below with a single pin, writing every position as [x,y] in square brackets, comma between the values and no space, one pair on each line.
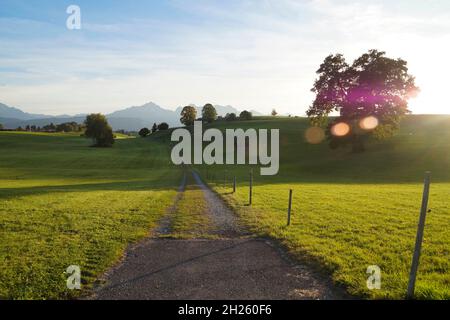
[349,210]
[63,203]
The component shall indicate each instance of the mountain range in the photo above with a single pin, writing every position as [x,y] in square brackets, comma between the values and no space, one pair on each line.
[129,119]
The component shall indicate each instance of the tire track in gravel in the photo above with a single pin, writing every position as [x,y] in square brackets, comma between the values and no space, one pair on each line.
[164,224]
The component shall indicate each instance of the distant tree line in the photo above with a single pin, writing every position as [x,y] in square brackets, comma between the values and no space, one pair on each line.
[209,115]
[189,115]
[95,127]
[63,127]
[156,127]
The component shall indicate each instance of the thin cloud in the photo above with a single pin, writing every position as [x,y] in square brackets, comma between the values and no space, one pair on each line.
[256,54]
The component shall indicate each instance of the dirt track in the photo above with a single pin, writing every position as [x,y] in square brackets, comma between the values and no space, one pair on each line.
[233,267]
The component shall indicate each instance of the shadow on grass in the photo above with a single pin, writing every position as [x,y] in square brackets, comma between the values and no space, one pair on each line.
[144,185]
[350,178]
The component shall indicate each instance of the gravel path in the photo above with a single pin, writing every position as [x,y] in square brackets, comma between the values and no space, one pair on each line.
[233,267]
[221,215]
[211,269]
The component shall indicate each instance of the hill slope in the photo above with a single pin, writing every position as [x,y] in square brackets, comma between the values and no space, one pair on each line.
[421,144]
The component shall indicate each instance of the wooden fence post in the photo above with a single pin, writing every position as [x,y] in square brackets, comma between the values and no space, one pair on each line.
[250,195]
[289,208]
[419,237]
[225,180]
[234,184]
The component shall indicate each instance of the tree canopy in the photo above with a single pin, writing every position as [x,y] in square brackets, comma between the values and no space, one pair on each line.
[99,130]
[144,132]
[209,113]
[374,87]
[188,115]
[245,115]
[67,127]
[230,116]
[163,126]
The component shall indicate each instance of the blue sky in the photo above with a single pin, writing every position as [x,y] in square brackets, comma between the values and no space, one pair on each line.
[256,54]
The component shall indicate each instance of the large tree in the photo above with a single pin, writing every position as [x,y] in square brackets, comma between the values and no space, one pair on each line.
[374,87]
[98,129]
[209,113]
[188,115]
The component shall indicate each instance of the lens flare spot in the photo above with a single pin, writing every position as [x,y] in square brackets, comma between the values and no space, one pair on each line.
[314,135]
[368,123]
[340,129]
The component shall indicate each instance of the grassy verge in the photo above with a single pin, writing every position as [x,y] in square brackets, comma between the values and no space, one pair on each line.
[63,203]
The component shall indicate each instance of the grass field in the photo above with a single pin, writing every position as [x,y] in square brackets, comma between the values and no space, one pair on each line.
[63,203]
[355,210]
